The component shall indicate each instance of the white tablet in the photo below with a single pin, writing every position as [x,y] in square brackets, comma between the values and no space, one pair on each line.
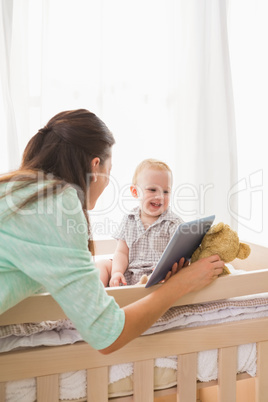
[183,243]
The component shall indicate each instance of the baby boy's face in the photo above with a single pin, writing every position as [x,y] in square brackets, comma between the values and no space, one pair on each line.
[154,190]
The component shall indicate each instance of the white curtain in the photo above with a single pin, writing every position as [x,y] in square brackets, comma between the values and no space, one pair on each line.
[248,37]
[157,72]
[9,152]
[203,111]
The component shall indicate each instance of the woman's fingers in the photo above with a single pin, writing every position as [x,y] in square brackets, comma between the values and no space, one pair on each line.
[218,270]
[217,267]
[213,258]
[181,263]
[173,271]
[175,268]
[212,265]
[168,275]
[216,264]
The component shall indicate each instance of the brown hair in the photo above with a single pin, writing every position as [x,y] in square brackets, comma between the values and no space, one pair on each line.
[63,149]
[149,164]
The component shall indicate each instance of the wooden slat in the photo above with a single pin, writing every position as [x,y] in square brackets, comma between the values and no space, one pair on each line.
[97,384]
[47,388]
[143,383]
[262,372]
[2,392]
[186,378]
[227,368]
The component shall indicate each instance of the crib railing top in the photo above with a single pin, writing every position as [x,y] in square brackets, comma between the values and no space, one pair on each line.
[43,307]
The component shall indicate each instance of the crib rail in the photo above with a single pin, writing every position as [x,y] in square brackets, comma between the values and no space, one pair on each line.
[184,343]
[48,384]
[173,342]
[43,307]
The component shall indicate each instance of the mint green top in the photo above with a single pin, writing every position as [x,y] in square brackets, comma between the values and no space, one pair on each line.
[46,245]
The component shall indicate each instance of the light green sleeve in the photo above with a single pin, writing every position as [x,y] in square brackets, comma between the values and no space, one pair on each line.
[49,247]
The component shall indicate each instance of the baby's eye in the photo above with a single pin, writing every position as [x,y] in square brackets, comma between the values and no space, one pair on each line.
[151,189]
[166,192]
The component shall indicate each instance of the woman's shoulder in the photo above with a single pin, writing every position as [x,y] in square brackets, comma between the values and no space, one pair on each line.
[52,218]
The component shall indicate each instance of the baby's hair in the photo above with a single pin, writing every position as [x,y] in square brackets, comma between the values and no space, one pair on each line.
[151,164]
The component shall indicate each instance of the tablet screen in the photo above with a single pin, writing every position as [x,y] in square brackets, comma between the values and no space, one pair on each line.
[183,243]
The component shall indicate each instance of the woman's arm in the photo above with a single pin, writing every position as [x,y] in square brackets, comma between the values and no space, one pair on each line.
[139,316]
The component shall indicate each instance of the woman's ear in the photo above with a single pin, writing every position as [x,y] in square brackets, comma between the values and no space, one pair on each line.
[95,164]
[134,191]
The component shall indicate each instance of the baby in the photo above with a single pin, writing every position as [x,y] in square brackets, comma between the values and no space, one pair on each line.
[145,231]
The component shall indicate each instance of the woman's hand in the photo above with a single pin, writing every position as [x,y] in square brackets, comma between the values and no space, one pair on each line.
[200,274]
[176,268]
[117,279]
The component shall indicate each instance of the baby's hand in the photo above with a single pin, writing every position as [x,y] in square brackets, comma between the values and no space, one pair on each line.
[117,279]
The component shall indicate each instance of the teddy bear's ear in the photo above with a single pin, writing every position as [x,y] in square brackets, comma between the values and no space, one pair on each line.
[215,228]
[244,251]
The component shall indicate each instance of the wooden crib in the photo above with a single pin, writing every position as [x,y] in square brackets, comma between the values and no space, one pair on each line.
[185,343]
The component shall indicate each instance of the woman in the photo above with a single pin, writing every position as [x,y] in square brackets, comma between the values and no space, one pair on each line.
[44,232]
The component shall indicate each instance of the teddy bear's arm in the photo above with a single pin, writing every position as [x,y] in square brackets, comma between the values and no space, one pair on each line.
[225,271]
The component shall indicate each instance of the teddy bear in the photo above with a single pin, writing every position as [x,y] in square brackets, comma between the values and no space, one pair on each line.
[222,240]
